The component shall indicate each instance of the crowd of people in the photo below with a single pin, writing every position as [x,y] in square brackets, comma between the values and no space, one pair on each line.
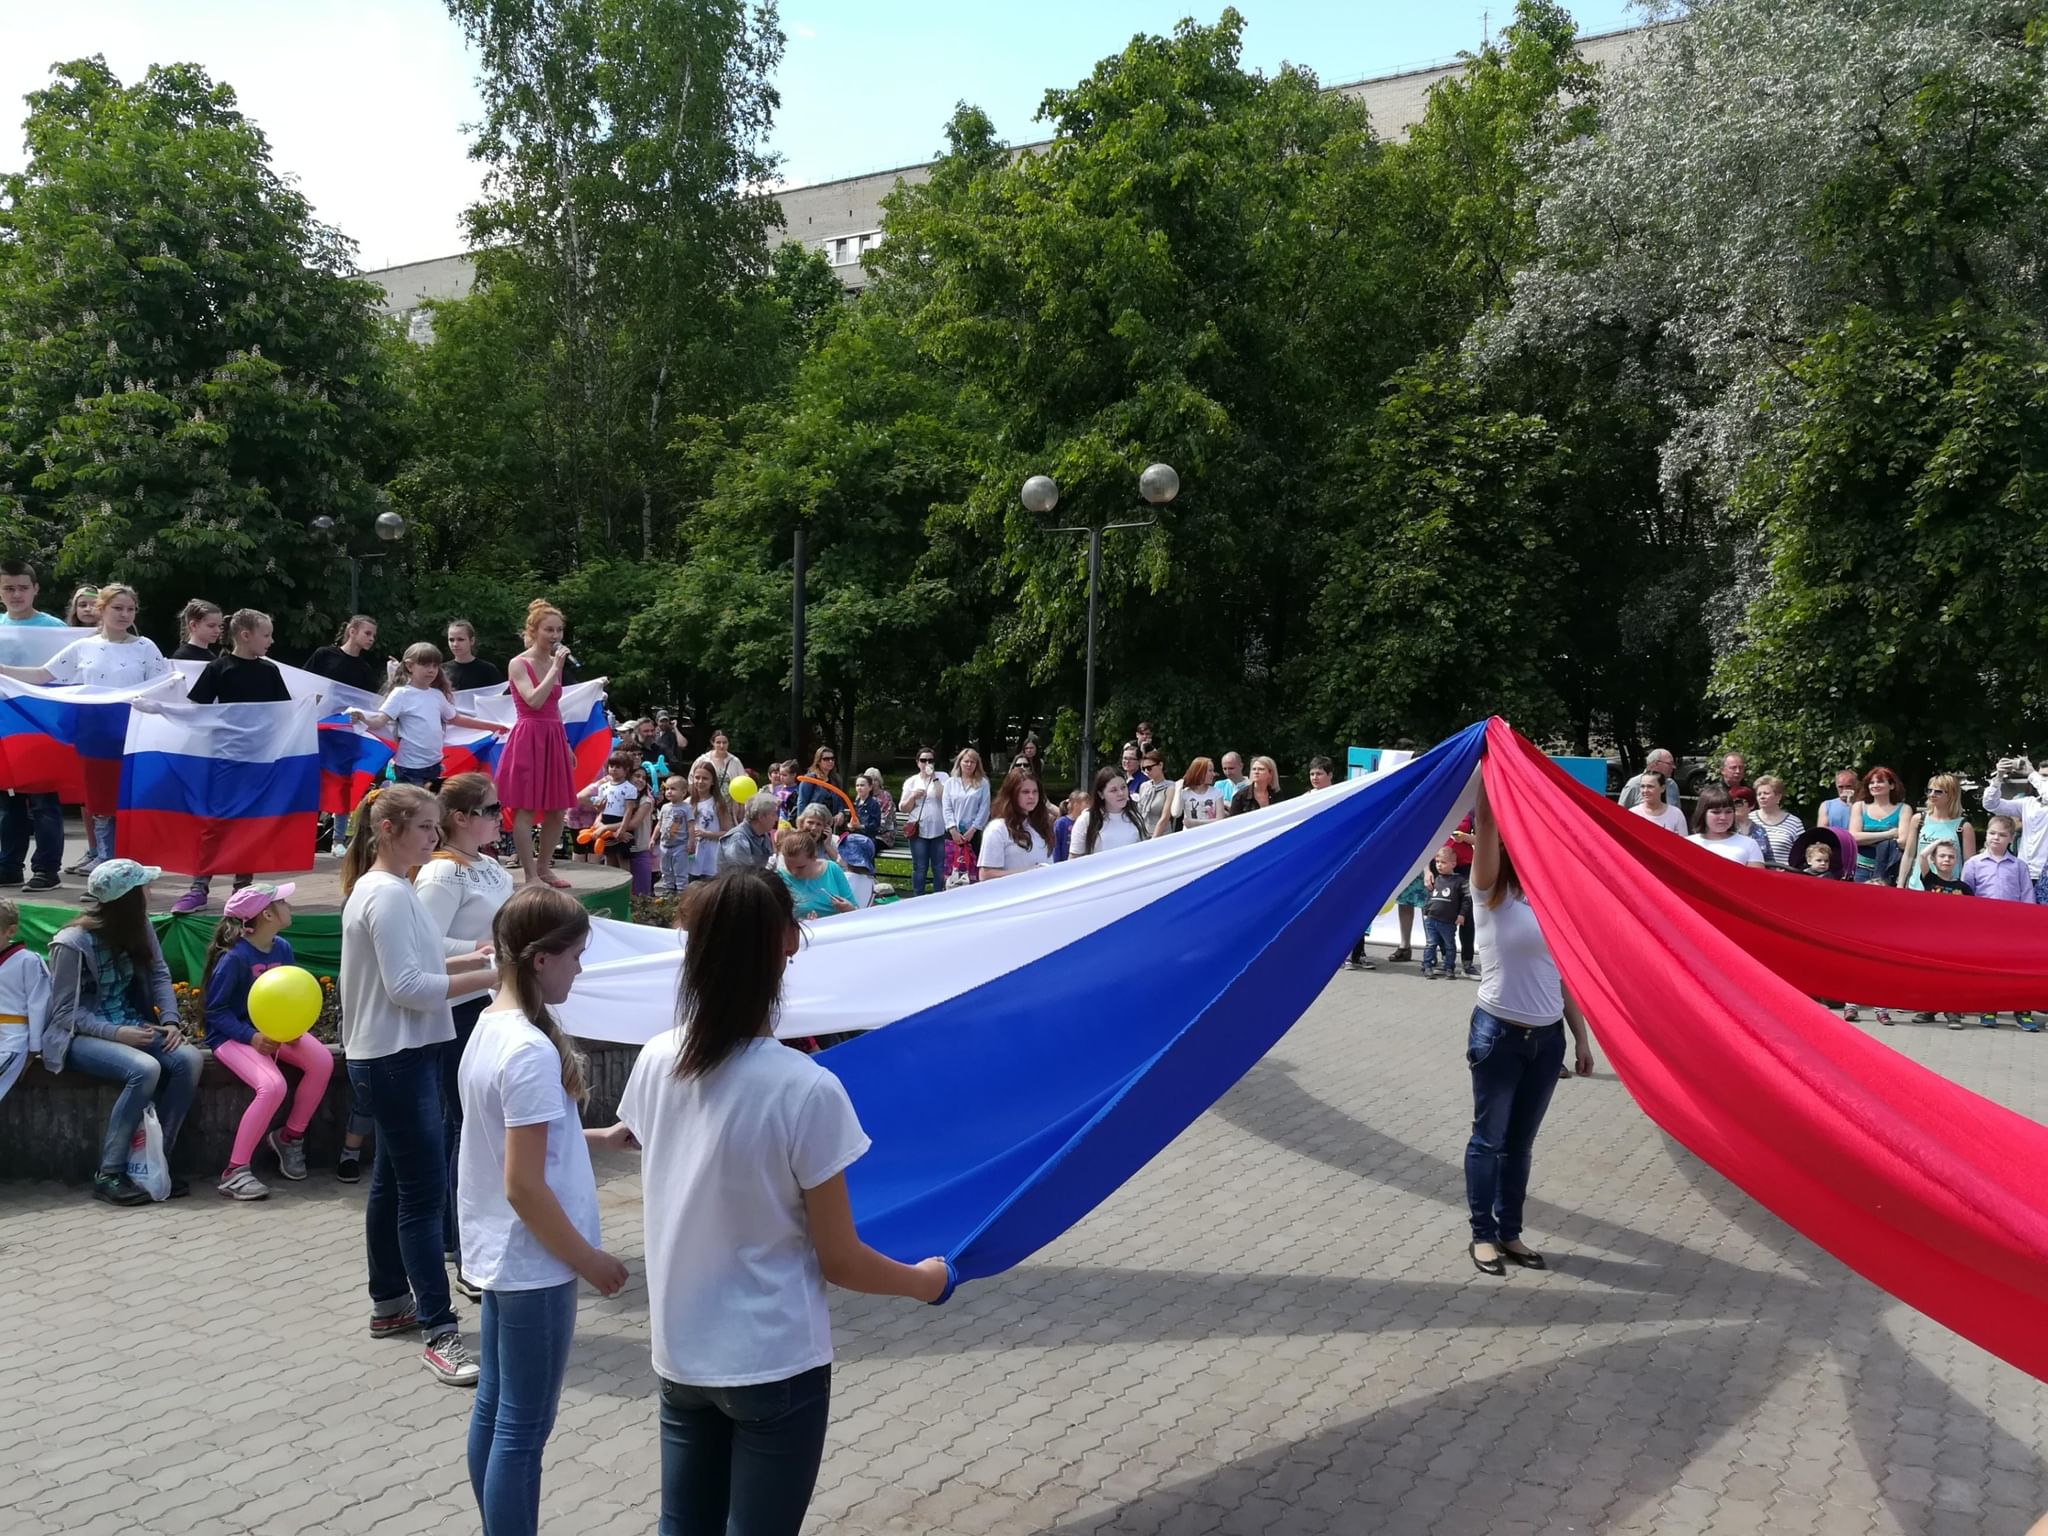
[1870,831]
[481,1180]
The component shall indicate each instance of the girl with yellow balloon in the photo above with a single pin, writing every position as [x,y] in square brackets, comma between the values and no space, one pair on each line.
[259,1007]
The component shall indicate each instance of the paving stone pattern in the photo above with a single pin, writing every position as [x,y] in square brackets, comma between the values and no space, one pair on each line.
[1273,1329]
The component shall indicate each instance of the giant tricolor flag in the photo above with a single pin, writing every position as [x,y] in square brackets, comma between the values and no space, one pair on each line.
[67,740]
[212,789]
[1035,1040]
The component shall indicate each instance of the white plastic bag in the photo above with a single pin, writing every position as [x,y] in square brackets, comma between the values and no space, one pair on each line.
[148,1168]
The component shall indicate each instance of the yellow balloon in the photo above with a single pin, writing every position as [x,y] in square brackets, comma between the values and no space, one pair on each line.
[742,789]
[284,1002]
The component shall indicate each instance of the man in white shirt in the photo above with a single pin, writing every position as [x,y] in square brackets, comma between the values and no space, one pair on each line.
[2030,811]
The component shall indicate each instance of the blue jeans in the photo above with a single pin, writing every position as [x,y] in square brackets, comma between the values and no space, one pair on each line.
[927,864]
[408,1180]
[466,1015]
[1440,938]
[146,1073]
[742,1461]
[21,815]
[522,1356]
[425,778]
[1514,1072]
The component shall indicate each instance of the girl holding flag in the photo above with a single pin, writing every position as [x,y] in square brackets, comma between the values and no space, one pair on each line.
[420,710]
[116,657]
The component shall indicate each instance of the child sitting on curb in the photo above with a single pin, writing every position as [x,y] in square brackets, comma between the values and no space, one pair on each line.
[24,998]
[247,943]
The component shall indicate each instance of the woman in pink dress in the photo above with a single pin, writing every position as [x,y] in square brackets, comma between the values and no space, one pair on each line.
[536,771]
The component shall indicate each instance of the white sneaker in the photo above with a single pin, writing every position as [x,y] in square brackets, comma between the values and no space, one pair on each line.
[468,1287]
[241,1184]
[446,1357]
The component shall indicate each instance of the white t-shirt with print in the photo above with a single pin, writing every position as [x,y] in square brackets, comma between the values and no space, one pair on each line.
[1518,980]
[511,1075]
[735,1291]
[420,716]
[1200,807]
[98,662]
[704,862]
[617,799]
[999,851]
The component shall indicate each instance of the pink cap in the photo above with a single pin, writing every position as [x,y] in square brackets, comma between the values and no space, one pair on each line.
[250,900]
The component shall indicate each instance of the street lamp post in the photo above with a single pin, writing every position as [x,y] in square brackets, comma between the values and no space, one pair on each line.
[1158,485]
[390,527]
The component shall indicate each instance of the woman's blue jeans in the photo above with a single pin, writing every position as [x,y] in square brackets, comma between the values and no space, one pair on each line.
[927,864]
[1514,1073]
[522,1354]
[146,1073]
[401,1094]
[742,1461]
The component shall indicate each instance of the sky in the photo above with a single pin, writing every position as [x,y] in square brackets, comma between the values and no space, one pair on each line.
[365,101]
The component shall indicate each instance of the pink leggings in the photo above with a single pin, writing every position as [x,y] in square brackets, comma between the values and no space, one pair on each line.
[315,1063]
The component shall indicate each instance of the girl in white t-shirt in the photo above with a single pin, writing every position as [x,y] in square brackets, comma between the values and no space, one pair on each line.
[1714,821]
[707,818]
[529,1199]
[420,710]
[1019,832]
[116,657]
[1651,807]
[1196,800]
[1111,820]
[747,1143]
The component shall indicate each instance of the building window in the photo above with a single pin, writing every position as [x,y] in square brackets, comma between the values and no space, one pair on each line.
[845,250]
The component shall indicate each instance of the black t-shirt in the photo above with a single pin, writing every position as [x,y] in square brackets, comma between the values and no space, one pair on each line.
[476,673]
[190,652]
[1940,887]
[364,671]
[240,680]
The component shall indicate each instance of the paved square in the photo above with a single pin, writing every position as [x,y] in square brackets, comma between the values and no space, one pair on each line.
[1273,1329]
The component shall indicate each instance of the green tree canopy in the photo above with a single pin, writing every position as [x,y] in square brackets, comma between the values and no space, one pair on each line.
[188,374]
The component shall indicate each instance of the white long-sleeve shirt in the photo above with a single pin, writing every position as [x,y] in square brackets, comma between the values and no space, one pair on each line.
[2031,814]
[462,897]
[394,972]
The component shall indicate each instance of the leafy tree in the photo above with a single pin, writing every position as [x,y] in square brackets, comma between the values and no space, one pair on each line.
[1902,519]
[1202,269]
[188,374]
[624,231]
[867,443]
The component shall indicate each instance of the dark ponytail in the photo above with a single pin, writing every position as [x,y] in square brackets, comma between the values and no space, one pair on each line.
[739,926]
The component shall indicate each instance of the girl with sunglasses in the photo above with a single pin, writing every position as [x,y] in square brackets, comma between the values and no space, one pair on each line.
[462,887]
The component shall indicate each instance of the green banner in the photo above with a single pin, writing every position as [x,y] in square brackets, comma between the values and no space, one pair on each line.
[315,937]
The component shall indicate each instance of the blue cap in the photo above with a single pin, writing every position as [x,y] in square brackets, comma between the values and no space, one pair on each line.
[857,851]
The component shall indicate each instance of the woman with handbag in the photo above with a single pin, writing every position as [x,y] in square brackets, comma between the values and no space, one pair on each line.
[114,1015]
[924,807]
[967,800]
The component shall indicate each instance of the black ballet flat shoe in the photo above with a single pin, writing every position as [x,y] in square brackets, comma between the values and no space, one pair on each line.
[1485,1266]
[1530,1260]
